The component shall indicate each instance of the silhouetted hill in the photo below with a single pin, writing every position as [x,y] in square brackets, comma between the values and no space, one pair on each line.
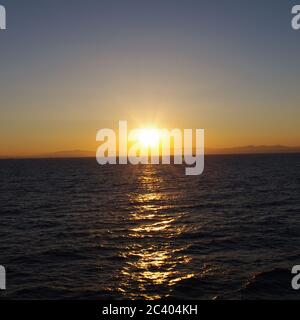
[253,149]
[234,150]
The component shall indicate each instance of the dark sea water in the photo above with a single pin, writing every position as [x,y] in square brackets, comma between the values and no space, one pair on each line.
[71,229]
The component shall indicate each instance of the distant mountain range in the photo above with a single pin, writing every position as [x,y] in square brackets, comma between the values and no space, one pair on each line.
[253,149]
[234,150]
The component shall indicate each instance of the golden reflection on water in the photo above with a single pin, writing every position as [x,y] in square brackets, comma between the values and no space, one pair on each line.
[155,262]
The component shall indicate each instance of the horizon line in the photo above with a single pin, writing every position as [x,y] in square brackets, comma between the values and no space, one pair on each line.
[241,150]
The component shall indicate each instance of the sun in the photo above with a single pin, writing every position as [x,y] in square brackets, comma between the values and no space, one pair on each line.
[149,137]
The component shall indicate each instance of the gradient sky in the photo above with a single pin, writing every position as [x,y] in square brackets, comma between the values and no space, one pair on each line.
[71,67]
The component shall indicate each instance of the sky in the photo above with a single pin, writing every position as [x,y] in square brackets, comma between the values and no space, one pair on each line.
[69,68]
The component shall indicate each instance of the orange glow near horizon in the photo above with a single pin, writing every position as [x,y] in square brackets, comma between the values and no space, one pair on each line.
[43,140]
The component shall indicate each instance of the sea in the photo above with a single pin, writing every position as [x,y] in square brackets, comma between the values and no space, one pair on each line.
[72,229]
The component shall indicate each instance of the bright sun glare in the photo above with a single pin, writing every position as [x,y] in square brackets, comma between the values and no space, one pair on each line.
[148,137]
